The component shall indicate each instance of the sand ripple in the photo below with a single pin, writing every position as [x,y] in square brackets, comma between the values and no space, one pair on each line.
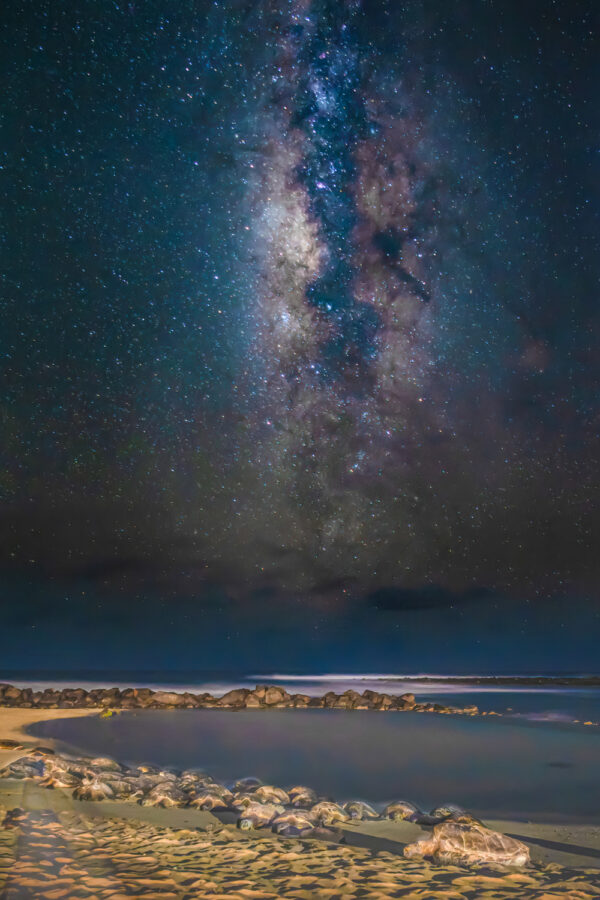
[58,856]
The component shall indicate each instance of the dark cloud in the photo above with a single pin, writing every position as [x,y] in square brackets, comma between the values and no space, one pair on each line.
[398,600]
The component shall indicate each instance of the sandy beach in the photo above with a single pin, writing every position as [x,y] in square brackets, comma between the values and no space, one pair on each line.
[107,845]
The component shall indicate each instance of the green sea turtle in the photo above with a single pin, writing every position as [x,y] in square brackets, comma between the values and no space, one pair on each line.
[246,785]
[106,764]
[446,810]
[402,810]
[194,779]
[267,793]
[206,798]
[147,769]
[458,844]
[259,815]
[327,813]
[59,779]
[125,788]
[302,796]
[359,810]
[240,801]
[93,788]
[293,823]
[165,794]
[79,767]
[455,813]
[24,767]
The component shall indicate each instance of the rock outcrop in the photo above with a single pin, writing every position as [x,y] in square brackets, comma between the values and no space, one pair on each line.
[264,696]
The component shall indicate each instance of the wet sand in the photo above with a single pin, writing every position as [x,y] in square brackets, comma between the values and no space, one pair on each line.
[66,848]
[14,721]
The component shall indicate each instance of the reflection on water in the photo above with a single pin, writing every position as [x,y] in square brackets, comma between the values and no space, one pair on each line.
[495,767]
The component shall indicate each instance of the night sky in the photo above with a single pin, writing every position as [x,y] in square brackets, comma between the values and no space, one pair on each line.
[299,334]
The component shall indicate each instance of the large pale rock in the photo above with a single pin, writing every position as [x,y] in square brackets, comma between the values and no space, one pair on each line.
[168,698]
[252,701]
[275,695]
[234,698]
[300,700]
[469,844]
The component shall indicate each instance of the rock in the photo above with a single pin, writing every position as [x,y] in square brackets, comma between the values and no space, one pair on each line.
[236,698]
[260,691]
[13,695]
[300,700]
[206,701]
[107,697]
[190,700]
[167,698]
[330,699]
[275,695]
[384,701]
[252,701]
[458,844]
[408,698]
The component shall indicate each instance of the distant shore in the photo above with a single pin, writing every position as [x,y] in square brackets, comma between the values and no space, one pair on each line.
[499,680]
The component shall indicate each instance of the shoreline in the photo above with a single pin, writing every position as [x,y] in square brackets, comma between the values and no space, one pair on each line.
[571,844]
[14,722]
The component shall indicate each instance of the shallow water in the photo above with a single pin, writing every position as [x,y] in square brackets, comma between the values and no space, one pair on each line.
[506,768]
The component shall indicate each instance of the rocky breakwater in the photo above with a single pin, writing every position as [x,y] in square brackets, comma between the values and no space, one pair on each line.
[263,696]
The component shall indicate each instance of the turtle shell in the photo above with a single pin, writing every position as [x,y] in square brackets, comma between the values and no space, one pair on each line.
[402,810]
[359,810]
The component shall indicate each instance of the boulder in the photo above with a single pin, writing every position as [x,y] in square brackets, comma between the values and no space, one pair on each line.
[190,700]
[167,698]
[252,701]
[330,700]
[75,696]
[260,691]
[12,695]
[409,699]
[235,698]
[383,701]
[275,695]
[300,700]
[206,700]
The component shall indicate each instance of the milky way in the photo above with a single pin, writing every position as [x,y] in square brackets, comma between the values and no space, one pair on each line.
[298,296]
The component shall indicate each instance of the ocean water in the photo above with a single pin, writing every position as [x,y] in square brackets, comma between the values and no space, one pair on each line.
[496,767]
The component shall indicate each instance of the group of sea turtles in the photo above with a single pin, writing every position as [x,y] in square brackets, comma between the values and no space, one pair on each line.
[297,811]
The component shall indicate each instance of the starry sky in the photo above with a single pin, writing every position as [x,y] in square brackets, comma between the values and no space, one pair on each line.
[299,317]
